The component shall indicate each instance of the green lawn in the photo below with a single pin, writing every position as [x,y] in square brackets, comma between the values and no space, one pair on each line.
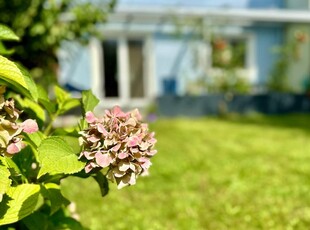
[237,173]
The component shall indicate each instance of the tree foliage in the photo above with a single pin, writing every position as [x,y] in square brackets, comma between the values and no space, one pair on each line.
[43,24]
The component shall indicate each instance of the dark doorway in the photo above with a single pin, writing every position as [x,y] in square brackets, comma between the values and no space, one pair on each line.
[111,80]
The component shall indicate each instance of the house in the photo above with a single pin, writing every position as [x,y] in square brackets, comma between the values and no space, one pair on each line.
[157,47]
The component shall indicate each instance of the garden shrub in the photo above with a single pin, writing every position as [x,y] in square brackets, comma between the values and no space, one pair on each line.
[34,158]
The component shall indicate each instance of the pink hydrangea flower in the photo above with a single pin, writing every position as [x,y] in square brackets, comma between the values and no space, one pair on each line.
[30,126]
[15,147]
[120,142]
[10,129]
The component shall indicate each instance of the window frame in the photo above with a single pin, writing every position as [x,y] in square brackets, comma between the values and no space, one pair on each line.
[250,68]
[124,98]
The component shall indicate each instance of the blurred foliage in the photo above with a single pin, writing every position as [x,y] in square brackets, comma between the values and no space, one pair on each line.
[229,55]
[287,53]
[228,71]
[43,24]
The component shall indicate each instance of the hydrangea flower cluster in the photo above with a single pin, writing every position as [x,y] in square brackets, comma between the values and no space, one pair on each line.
[119,141]
[10,131]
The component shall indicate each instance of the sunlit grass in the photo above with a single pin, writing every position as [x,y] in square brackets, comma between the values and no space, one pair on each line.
[238,173]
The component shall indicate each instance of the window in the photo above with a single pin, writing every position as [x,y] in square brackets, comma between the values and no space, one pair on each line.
[228,52]
[123,69]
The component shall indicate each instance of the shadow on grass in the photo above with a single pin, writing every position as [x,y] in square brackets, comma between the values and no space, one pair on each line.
[294,121]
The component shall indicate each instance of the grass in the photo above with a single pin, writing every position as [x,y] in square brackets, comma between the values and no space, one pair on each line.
[236,173]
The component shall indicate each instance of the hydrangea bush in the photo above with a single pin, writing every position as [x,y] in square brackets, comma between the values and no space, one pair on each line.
[120,142]
[35,157]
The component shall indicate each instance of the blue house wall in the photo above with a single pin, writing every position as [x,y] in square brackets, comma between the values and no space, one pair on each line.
[265,4]
[174,61]
[173,57]
[75,65]
[267,38]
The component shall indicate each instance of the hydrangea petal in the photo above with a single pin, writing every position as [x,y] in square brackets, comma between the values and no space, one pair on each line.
[131,122]
[122,155]
[144,146]
[136,114]
[133,141]
[145,173]
[132,180]
[30,126]
[109,142]
[124,166]
[15,147]
[90,117]
[116,148]
[103,160]
[89,155]
[121,184]
[117,112]
[89,167]
[152,152]
[152,141]
[118,173]
[12,149]
[146,163]
[93,139]
[134,150]
[132,167]
[102,130]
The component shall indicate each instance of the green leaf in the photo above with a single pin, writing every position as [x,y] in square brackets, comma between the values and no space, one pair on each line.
[36,220]
[12,166]
[56,157]
[64,100]
[7,34]
[35,138]
[70,103]
[31,107]
[61,94]
[61,220]
[45,101]
[24,160]
[67,223]
[5,181]
[17,78]
[89,101]
[102,182]
[73,142]
[4,50]
[68,131]
[52,192]
[18,203]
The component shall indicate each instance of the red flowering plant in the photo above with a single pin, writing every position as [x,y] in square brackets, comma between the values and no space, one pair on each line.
[35,157]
